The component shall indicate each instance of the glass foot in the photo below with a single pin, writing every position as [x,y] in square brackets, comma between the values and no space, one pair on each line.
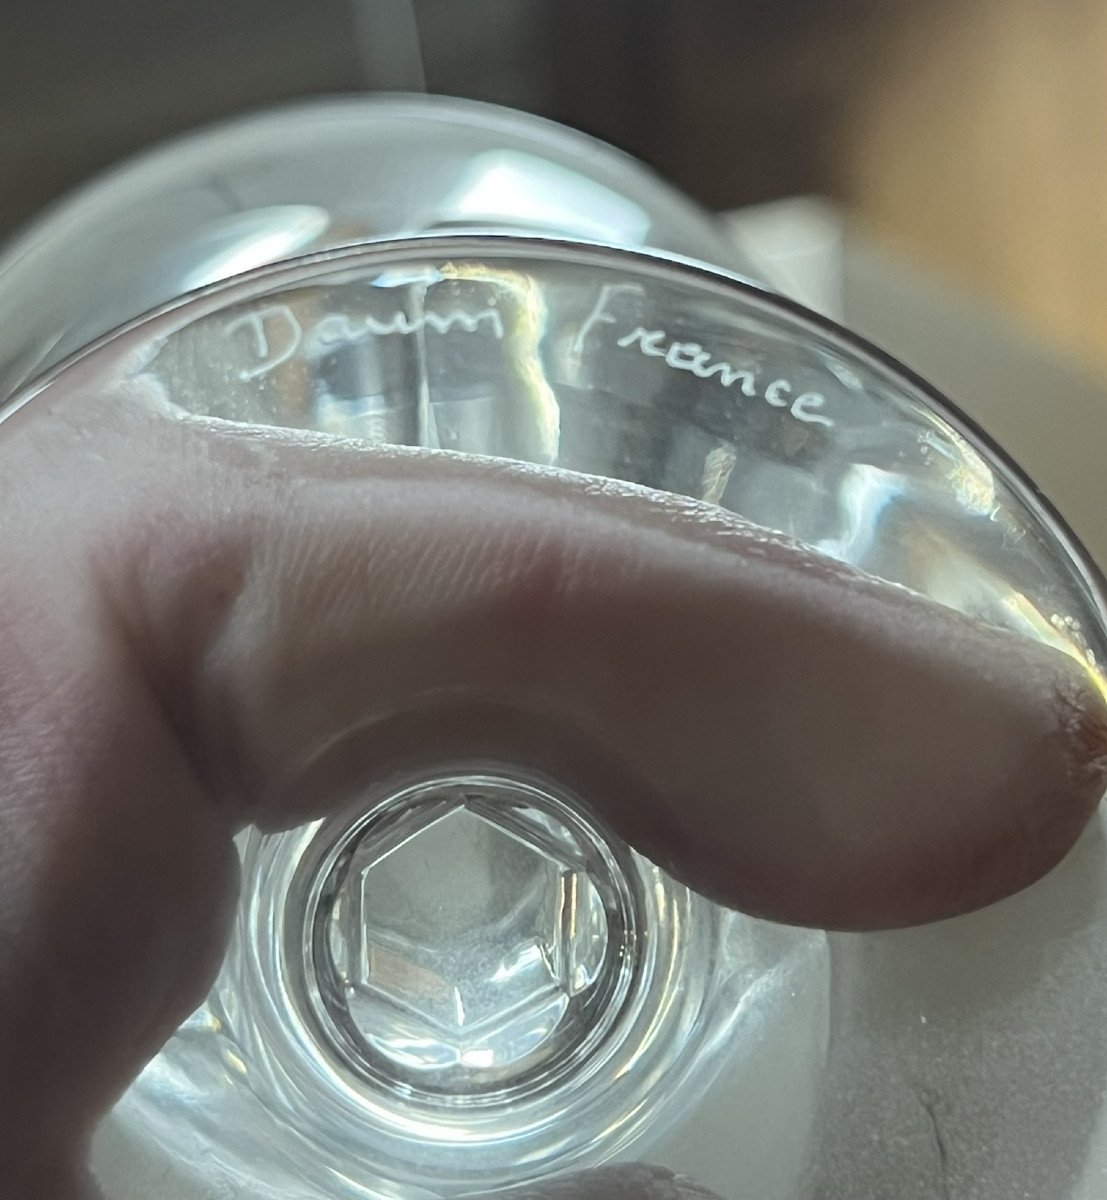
[462,983]
[467,937]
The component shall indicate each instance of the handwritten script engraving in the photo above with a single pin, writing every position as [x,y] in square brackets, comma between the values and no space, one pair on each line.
[277,335]
[691,356]
[342,329]
[599,314]
[699,361]
[688,356]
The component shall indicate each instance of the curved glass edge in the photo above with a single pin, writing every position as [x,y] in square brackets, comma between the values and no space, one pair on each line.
[456,166]
[445,110]
[158,324]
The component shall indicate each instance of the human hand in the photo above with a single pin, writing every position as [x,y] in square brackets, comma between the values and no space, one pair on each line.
[205,626]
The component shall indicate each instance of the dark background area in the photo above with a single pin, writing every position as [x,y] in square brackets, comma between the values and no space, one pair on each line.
[969,137]
[735,100]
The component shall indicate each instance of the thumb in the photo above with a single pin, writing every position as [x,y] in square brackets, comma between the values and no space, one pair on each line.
[205,626]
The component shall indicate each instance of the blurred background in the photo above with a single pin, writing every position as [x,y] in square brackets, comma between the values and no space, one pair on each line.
[969,137]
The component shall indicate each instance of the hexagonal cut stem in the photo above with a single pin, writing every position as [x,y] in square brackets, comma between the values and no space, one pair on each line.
[468,940]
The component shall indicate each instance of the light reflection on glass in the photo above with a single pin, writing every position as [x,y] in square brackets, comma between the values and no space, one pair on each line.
[717,469]
[968,474]
[506,186]
[865,493]
[959,581]
[524,320]
[254,239]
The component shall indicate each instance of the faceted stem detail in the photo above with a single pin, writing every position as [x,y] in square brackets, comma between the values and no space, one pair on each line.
[469,939]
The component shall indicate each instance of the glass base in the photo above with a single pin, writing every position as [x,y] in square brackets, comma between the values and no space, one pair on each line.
[465,982]
[470,938]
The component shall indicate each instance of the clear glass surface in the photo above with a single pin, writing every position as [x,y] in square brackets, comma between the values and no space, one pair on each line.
[464,981]
[307,178]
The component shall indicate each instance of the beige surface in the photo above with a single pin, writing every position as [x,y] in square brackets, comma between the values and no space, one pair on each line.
[976,145]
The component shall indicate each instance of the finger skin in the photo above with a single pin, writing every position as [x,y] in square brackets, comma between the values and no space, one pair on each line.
[203,626]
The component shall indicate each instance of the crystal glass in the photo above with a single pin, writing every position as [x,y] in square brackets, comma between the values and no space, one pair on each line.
[310,177]
[463,980]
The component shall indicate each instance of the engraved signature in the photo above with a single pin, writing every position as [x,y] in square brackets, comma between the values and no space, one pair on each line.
[276,335]
[691,356]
